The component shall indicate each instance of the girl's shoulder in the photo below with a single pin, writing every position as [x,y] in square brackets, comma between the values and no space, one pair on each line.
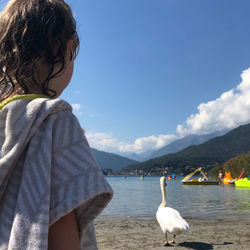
[25,118]
[32,102]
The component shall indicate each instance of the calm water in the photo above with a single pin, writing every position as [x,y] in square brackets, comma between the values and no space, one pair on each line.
[141,198]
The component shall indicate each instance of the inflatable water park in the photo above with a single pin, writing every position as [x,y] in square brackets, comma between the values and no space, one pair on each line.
[239,182]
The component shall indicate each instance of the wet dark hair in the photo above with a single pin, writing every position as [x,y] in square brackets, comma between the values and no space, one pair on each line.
[33,41]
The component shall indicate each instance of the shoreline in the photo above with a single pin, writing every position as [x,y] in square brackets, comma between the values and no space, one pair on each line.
[136,233]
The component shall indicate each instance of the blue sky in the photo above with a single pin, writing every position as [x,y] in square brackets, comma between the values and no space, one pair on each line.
[151,71]
[145,66]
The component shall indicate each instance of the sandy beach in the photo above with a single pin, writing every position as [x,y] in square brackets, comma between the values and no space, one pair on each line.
[133,233]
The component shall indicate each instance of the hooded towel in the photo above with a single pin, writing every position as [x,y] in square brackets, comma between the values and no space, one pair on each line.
[46,171]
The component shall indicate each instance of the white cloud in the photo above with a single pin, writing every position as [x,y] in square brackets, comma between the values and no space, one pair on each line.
[228,111]
[76,106]
[147,143]
[107,142]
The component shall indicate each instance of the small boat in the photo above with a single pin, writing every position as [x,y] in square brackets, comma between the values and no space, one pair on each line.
[243,183]
[172,177]
[201,181]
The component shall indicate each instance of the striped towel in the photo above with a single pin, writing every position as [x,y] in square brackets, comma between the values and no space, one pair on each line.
[46,171]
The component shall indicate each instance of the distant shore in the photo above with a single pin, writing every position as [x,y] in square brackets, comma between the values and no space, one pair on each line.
[229,233]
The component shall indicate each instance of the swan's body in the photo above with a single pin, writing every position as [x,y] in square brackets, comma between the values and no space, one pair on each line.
[169,219]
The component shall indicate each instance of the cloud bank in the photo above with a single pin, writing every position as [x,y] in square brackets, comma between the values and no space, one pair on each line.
[228,111]
[107,142]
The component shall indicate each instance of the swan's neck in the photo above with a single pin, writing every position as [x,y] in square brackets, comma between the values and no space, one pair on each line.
[164,198]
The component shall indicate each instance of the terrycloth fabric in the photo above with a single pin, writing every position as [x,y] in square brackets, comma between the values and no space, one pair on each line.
[46,171]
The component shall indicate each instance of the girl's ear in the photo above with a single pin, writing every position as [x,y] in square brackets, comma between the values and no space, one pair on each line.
[69,46]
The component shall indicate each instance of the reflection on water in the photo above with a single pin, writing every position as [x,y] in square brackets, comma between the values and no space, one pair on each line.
[136,197]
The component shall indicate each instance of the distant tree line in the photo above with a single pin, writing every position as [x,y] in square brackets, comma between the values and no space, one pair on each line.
[234,165]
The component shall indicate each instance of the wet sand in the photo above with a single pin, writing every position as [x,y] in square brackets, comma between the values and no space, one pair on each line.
[133,233]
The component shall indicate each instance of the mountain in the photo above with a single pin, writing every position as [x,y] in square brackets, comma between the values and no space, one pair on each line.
[132,156]
[184,142]
[111,161]
[212,152]
[138,157]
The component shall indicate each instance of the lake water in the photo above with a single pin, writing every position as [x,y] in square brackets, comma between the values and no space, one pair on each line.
[141,198]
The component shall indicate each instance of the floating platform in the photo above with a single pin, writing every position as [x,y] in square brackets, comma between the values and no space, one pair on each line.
[202,182]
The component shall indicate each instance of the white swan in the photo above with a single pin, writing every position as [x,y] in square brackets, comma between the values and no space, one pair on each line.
[169,219]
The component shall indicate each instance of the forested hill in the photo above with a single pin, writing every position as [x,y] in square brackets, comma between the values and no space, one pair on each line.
[216,150]
[234,165]
[184,142]
[111,161]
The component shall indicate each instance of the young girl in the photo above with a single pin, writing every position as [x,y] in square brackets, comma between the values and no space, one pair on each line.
[50,186]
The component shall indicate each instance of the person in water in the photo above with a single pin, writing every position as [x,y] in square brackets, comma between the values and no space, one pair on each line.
[220,177]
